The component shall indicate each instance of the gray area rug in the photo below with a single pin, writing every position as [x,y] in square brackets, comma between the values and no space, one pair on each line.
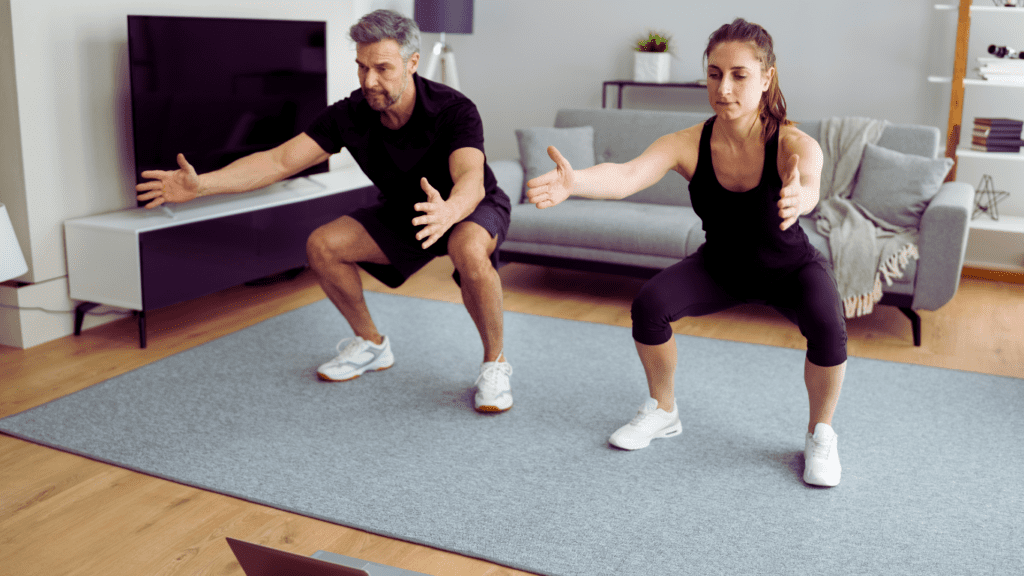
[932,482]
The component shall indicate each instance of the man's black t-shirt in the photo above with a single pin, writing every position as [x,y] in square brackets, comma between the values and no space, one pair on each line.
[443,121]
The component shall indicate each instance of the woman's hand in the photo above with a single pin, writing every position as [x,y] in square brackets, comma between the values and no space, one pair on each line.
[789,202]
[552,188]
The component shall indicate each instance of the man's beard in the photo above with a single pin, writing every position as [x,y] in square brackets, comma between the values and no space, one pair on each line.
[389,100]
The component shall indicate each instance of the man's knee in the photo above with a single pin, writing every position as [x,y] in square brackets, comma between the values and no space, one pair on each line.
[322,246]
[470,247]
[342,241]
[316,246]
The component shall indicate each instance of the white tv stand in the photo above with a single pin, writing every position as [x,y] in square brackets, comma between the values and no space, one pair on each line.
[142,259]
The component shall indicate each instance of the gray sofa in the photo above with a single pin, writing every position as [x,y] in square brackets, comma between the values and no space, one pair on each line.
[657,227]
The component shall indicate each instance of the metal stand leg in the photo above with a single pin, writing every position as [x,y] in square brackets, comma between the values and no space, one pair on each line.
[80,312]
[142,328]
[442,55]
[915,323]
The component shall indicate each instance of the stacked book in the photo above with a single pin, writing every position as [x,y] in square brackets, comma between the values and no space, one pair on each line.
[997,135]
[1002,70]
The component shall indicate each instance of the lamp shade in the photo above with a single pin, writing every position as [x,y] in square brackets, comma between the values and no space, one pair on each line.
[448,16]
[12,261]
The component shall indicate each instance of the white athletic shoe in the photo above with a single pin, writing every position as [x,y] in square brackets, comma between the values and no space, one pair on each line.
[493,391]
[650,422]
[356,356]
[821,457]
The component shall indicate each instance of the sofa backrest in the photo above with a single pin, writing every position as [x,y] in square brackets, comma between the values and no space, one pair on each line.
[621,135]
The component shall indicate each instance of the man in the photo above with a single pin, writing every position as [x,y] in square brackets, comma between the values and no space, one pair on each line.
[421,143]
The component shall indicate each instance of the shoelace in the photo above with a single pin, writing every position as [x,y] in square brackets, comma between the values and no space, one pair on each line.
[352,346]
[642,414]
[490,374]
[821,449]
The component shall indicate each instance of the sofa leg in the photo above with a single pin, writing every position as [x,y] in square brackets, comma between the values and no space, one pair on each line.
[915,323]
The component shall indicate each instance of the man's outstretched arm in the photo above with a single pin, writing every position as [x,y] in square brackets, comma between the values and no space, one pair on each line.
[247,173]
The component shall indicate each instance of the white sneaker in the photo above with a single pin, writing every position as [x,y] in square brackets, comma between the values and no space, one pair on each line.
[650,422]
[357,356]
[493,391]
[821,457]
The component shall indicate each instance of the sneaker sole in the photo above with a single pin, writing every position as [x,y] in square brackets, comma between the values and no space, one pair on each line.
[492,409]
[674,430]
[812,480]
[357,375]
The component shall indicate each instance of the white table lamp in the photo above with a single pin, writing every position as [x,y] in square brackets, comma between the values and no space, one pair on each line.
[12,261]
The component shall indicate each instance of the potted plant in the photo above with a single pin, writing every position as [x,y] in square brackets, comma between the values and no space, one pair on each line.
[651,58]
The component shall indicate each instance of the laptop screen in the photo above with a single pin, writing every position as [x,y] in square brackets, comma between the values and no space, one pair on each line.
[259,560]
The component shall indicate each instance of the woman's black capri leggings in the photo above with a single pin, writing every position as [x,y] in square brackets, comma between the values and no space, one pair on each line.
[808,297]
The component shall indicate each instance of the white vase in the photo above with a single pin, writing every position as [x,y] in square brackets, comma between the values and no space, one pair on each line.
[651,66]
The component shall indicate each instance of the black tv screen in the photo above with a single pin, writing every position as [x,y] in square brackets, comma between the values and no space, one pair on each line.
[218,89]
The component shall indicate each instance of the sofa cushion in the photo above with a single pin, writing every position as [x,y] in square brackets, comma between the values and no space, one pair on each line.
[617,225]
[897,187]
[575,144]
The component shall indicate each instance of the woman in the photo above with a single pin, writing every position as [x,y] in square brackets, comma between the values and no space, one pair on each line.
[752,174]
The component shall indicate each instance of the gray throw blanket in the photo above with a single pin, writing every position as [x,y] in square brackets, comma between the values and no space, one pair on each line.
[865,249]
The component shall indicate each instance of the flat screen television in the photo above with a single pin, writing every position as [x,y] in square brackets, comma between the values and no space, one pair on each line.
[217,89]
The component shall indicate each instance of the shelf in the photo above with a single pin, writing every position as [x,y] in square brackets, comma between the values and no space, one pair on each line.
[1014,224]
[1002,9]
[980,82]
[1013,156]
[982,8]
[976,81]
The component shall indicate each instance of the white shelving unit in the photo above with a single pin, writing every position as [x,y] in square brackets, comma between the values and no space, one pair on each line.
[993,244]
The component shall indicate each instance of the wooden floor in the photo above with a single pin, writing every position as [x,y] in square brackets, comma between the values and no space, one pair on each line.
[62,514]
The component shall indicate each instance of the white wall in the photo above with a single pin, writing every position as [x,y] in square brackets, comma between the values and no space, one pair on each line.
[528,58]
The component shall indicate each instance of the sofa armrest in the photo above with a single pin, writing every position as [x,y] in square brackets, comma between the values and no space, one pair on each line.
[943,245]
[509,174]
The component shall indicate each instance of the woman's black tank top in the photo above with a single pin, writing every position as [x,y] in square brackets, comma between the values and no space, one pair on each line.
[744,246]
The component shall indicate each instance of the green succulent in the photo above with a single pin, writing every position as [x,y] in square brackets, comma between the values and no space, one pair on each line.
[653,43]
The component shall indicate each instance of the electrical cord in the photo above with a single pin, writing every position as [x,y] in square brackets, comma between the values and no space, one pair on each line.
[48,311]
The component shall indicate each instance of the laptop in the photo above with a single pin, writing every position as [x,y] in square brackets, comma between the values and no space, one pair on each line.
[259,560]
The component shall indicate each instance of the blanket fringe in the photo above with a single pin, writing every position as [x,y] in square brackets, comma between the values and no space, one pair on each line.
[891,268]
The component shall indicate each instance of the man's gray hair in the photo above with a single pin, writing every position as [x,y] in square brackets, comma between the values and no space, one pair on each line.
[388,25]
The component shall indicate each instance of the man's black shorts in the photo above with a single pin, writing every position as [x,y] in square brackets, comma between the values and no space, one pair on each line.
[396,237]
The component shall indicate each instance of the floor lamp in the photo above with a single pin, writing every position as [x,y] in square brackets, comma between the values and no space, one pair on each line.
[444,17]
[12,261]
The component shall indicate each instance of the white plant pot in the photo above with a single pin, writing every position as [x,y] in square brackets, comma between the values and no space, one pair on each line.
[651,66]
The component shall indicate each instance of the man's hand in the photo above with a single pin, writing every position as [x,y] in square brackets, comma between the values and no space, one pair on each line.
[789,202]
[173,186]
[438,216]
[552,188]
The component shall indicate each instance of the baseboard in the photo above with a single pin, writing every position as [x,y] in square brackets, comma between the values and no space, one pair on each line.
[989,274]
